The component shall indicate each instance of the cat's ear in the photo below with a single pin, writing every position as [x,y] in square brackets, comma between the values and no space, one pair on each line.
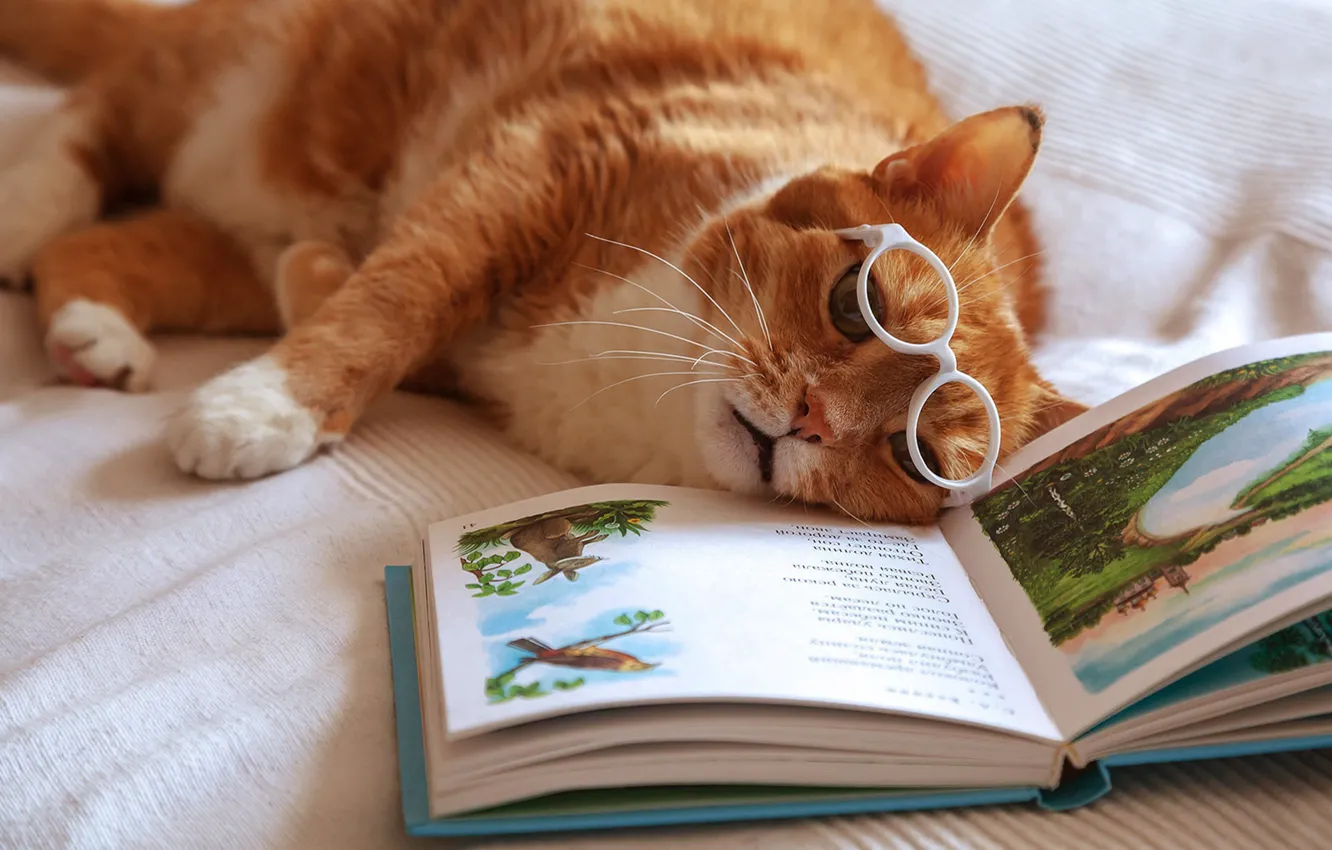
[1052,409]
[973,169]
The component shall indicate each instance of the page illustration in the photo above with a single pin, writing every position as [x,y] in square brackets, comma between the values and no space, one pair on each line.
[1176,517]
[556,540]
[583,659]
[499,561]
[1305,644]
[701,595]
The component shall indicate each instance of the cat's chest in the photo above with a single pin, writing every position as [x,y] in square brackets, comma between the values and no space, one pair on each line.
[611,395]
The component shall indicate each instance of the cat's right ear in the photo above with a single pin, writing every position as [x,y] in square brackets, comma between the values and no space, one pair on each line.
[973,169]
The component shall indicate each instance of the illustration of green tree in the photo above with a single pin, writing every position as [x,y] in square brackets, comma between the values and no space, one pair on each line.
[1253,371]
[501,581]
[1070,532]
[555,539]
[588,654]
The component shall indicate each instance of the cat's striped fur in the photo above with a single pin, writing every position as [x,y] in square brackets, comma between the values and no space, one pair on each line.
[436,189]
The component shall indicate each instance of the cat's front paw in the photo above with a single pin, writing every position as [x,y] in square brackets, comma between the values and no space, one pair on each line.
[245,424]
[95,345]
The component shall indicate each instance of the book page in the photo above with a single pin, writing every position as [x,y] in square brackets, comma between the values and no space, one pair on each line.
[1136,542]
[624,595]
[1289,661]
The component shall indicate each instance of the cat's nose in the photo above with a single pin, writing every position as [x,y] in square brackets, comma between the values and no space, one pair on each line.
[810,423]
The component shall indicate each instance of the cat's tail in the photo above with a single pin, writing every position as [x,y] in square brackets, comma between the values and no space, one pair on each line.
[67,40]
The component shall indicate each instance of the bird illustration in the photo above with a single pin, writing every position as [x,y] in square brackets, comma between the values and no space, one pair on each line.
[568,567]
[581,656]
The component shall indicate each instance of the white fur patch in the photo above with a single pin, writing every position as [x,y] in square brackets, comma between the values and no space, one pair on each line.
[602,416]
[104,343]
[244,424]
[579,400]
[727,448]
[44,192]
[219,170]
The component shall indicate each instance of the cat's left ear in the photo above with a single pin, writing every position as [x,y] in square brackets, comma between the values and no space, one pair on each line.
[974,169]
[1052,409]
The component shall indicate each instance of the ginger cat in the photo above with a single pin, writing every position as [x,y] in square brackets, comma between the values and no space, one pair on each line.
[606,222]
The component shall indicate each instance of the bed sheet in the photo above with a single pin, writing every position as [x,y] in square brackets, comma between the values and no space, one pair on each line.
[186,664]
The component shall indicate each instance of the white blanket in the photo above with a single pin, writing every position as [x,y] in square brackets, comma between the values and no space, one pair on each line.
[185,664]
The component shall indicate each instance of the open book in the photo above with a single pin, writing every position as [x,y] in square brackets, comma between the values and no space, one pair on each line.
[1146,582]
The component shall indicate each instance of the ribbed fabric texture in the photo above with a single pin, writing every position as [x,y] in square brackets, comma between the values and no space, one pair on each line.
[191,665]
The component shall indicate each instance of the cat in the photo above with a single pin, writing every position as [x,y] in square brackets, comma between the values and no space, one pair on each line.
[606,224]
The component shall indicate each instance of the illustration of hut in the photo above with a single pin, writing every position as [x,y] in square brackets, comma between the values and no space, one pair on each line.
[1136,594]
[1176,576]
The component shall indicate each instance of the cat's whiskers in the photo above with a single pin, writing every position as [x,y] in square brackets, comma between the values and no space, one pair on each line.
[1051,406]
[637,328]
[728,354]
[719,333]
[962,287]
[979,228]
[1017,484]
[848,513]
[677,269]
[979,277]
[692,383]
[632,379]
[629,354]
[694,362]
[744,275]
[702,323]
[1007,285]
[884,204]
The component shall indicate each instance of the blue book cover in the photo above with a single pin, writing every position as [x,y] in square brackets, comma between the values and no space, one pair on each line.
[633,807]
[646,807]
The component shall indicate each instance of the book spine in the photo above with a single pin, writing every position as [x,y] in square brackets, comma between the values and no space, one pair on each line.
[1077,788]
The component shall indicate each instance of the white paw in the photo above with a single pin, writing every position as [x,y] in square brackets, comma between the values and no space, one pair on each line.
[92,344]
[44,194]
[244,424]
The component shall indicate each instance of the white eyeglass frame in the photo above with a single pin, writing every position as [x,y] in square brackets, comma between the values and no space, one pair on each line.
[882,238]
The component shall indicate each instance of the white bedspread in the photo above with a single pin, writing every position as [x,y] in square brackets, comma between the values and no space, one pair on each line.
[185,664]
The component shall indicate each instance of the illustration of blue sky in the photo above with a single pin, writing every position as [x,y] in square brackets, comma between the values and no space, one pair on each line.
[500,615]
[1177,618]
[1202,490]
[533,606]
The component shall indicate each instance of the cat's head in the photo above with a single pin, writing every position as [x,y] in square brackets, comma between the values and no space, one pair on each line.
[818,414]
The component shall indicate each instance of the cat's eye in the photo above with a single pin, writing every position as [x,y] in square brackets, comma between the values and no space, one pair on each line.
[898,443]
[844,309]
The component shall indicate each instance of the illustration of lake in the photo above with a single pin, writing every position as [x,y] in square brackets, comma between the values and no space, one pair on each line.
[1268,557]
[1202,491]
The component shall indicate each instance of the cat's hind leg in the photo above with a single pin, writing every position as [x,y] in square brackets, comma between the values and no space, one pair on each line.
[100,289]
[308,272]
[48,188]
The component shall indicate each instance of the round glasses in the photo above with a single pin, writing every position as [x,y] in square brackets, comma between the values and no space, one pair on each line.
[882,238]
